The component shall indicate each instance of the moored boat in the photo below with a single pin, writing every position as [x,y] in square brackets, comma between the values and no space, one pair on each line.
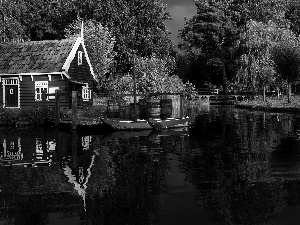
[156,124]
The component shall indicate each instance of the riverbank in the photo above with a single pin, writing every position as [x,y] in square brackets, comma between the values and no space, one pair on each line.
[272,105]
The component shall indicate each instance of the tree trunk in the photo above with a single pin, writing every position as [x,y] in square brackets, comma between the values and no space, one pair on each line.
[288,92]
[264,93]
[224,81]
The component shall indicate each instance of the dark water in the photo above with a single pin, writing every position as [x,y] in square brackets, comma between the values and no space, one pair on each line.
[231,167]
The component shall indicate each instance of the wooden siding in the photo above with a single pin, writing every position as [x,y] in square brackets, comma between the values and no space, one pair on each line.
[81,73]
[1,93]
[27,90]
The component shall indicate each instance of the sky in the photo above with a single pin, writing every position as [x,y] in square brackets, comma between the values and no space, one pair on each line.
[178,10]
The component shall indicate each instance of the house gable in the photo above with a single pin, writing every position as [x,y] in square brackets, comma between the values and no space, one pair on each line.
[73,57]
[80,73]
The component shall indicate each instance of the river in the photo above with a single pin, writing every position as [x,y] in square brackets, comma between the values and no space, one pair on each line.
[231,166]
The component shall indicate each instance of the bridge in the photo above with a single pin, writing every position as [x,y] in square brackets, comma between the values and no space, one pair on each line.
[213,94]
[225,97]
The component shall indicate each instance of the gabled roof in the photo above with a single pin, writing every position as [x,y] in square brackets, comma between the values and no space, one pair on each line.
[39,57]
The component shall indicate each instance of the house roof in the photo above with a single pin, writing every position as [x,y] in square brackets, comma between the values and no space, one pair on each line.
[35,56]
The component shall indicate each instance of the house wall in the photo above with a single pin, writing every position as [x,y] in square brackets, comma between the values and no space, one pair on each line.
[81,73]
[27,90]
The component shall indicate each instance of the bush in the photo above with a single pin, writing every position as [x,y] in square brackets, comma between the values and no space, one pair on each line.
[30,115]
[93,111]
[88,111]
[152,76]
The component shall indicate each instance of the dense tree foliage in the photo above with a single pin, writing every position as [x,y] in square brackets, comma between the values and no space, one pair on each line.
[11,28]
[260,11]
[256,66]
[226,42]
[153,75]
[210,35]
[232,39]
[138,26]
[293,15]
[286,56]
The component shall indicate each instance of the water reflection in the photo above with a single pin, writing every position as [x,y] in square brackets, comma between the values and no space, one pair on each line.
[75,178]
[231,167]
[234,163]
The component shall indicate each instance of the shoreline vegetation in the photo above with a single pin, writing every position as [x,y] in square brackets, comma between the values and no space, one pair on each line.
[272,104]
[39,115]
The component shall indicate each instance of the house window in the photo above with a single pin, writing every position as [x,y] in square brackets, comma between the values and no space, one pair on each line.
[85,93]
[79,58]
[39,87]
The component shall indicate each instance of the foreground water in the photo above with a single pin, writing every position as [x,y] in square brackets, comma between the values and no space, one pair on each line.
[231,166]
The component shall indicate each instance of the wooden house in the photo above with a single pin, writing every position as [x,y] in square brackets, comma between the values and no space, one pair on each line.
[28,68]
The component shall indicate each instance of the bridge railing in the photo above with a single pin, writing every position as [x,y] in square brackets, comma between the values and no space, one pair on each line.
[207,91]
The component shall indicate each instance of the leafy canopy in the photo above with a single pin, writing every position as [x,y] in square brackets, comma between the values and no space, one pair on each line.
[286,55]
[256,64]
[210,35]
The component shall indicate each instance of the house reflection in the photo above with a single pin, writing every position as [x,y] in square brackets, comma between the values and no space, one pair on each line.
[86,142]
[24,149]
[12,149]
[79,178]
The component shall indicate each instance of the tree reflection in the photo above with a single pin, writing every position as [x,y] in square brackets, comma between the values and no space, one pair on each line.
[233,162]
[135,196]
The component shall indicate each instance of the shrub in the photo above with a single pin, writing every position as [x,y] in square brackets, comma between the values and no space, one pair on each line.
[34,115]
[152,76]
[93,111]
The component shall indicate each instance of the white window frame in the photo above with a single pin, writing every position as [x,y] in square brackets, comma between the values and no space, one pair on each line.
[79,57]
[86,93]
[10,81]
[40,85]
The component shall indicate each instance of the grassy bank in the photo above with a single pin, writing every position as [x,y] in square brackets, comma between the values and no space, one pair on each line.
[272,104]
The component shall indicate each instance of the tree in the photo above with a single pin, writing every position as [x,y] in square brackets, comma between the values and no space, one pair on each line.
[99,43]
[211,33]
[47,19]
[11,28]
[138,26]
[220,20]
[286,56]
[256,66]
[293,16]
[153,75]
[260,11]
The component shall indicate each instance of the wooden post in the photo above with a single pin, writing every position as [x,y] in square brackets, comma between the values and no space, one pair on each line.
[57,110]
[134,89]
[44,97]
[44,105]
[181,106]
[74,110]
[74,149]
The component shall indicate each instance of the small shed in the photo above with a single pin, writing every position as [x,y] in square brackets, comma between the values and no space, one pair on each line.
[28,68]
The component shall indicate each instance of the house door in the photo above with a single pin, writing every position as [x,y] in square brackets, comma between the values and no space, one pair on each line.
[11,96]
